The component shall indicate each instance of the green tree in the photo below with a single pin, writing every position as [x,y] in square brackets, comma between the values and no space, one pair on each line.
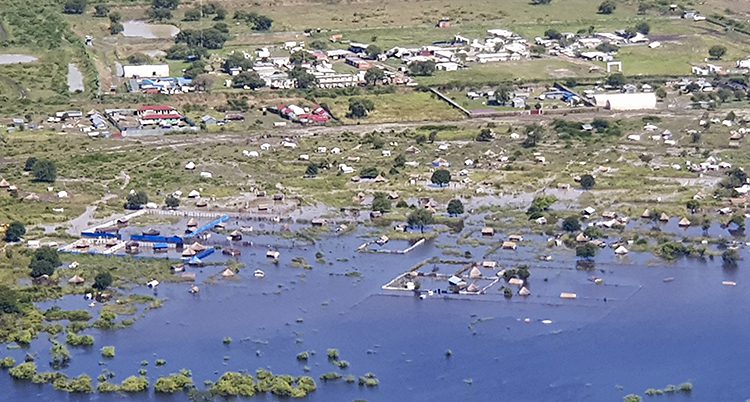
[8,300]
[370,172]
[373,51]
[169,4]
[485,135]
[422,68]
[643,27]
[381,203]
[693,205]
[194,14]
[115,28]
[587,182]
[248,79]
[616,80]
[730,257]
[160,14]
[534,135]
[319,44]
[360,107]
[420,218]
[607,7]
[172,202]
[16,230]
[102,280]
[661,93]
[74,7]
[552,34]
[44,261]
[455,207]
[441,177]
[312,170]
[717,51]
[101,10]
[28,166]
[586,251]
[571,224]
[399,161]
[136,200]
[45,171]
[303,79]
[374,76]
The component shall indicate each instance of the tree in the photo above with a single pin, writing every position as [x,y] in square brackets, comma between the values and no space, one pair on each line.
[102,280]
[44,261]
[441,177]
[420,218]
[717,51]
[381,203]
[194,14]
[29,165]
[485,135]
[74,6]
[399,161]
[422,68]
[16,230]
[373,51]
[455,207]
[643,27]
[172,202]
[534,135]
[319,44]
[195,69]
[616,80]
[169,4]
[114,16]
[249,79]
[730,257]
[8,300]
[370,172]
[571,224]
[303,79]
[661,93]
[693,205]
[586,251]
[553,34]
[607,7]
[360,107]
[374,76]
[221,14]
[160,14]
[136,200]
[115,28]
[312,170]
[101,10]
[587,182]
[139,58]
[45,171]
[262,23]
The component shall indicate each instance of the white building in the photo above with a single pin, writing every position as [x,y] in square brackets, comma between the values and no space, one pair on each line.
[146,70]
[626,101]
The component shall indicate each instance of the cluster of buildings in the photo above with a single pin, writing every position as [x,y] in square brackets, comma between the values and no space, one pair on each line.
[149,120]
[93,123]
[155,79]
[594,47]
[306,116]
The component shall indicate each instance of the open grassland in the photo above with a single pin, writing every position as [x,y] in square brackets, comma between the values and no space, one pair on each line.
[398,106]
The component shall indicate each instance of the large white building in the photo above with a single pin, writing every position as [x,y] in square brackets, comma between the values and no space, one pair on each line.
[626,101]
[146,71]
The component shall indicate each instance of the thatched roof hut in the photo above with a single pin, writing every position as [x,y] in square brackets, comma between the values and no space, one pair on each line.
[684,222]
[475,273]
[228,273]
[192,223]
[188,252]
[76,280]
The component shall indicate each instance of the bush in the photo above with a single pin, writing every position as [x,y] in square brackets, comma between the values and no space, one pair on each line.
[45,171]
[15,231]
[587,182]
[108,352]
[571,224]
[73,339]
[24,371]
[234,384]
[7,363]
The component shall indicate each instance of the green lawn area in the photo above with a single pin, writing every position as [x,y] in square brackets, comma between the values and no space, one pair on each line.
[399,106]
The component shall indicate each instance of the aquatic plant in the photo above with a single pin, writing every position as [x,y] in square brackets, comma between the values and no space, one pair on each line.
[74,339]
[7,363]
[333,354]
[134,384]
[60,356]
[160,362]
[686,387]
[342,364]
[81,385]
[227,340]
[369,380]
[108,352]
[632,398]
[234,384]
[107,387]
[174,383]
[303,356]
[24,371]
[331,376]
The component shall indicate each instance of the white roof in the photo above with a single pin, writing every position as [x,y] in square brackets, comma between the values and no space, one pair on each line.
[626,101]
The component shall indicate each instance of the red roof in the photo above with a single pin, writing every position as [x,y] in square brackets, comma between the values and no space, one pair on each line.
[161,116]
[161,108]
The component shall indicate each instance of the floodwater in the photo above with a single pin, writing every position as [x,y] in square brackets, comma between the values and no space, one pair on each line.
[16,59]
[140,29]
[75,78]
[634,332]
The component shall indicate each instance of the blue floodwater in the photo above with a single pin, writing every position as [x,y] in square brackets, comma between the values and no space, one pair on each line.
[648,333]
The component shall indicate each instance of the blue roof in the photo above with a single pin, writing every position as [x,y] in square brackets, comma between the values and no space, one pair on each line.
[161,245]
